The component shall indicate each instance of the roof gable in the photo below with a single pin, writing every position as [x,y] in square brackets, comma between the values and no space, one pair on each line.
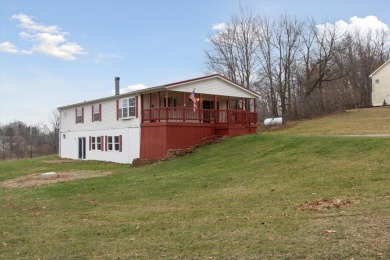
[378,69]
[212,85]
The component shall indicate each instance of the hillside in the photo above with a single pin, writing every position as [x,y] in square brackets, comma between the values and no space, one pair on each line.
[282,194]
[367,121]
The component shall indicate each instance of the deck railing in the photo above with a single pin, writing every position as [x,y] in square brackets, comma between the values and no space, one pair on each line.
[184,114]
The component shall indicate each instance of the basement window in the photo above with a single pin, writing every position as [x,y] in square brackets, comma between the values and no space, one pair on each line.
[113,143]
[96,143]
[116,143]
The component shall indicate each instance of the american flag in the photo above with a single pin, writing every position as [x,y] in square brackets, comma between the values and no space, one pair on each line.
[193,98]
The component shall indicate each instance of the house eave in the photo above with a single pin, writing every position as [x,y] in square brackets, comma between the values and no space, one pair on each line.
[378,69]
[159,88]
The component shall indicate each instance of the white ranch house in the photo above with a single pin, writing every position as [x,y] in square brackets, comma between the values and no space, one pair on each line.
[149,122]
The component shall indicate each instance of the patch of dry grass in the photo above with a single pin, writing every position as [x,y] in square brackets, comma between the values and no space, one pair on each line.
[38,179]
[367,121]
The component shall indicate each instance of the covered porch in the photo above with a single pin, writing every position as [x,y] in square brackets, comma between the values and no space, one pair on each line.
[173,106]
[169,120]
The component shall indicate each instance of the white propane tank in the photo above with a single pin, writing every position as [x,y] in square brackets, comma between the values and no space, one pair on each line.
[273,121]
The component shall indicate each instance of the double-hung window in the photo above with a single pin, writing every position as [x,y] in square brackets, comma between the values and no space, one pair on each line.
[113,143]
[99,143]
[116,143]
[127,108]
[109,143]
[93,143]
[96,112]
[96,143]
[79,115]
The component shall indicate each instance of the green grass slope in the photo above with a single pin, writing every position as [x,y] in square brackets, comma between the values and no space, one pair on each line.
[368,121]
[240,199]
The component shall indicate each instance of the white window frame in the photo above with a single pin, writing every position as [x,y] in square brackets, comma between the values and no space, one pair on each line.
[113,143]
[116,143]
[96,143]
[96,112]
[110,144]
[93,143]
[376,81]
[79,115]
[127,108]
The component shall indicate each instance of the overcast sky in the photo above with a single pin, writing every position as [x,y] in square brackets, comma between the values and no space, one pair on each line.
[54,53]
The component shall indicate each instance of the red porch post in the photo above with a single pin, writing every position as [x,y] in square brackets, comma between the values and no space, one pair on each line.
[166,105]
[150,107]
[228,110]
[184,104]
[158,105]
[142,110]
[199,107]
[215,109]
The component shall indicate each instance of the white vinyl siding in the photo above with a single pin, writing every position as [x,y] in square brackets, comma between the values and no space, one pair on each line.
[110,121]
[381,86]
[213,86]
[130,145]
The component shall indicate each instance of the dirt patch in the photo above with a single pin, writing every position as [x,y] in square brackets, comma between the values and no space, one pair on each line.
[38,179]
[323,204]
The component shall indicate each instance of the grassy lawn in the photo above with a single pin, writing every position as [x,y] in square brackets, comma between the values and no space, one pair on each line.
[240,199]
[352,122]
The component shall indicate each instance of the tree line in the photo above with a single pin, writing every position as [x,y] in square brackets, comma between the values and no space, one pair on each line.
[19,140]
[301,68]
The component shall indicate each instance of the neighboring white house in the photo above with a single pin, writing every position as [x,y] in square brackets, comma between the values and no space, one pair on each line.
[147,123]
[381,85]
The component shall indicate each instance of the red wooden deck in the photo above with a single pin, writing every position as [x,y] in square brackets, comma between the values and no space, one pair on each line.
[184,114]
[180,127]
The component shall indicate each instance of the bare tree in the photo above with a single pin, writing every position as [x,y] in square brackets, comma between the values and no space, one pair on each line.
[300,68]
[280,42]
[234,48]
[19,140]
[265,57]
[368,50]
[324,53]
[53,130]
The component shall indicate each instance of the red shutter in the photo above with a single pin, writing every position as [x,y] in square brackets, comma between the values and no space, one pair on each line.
[120,143]
[92,113]
[75,115]
[136,106]
[106,143]
[82,115]
[90,143]
[102,147]
[117,109]
[100,112]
